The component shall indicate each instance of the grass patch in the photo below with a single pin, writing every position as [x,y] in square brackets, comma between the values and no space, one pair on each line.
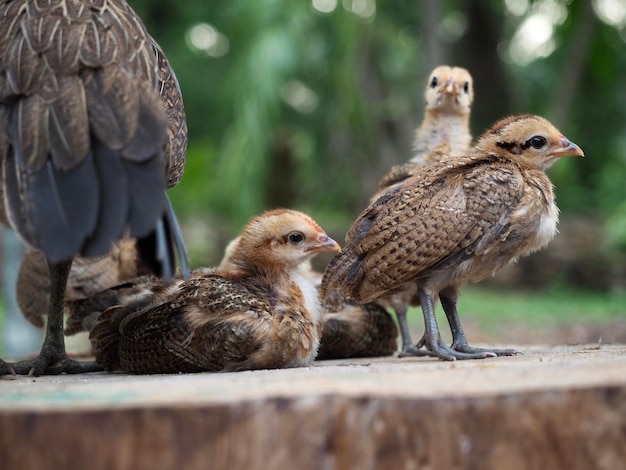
[554,306]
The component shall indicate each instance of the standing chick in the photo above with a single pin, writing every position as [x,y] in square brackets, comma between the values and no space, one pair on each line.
[443,133]
[260,313]
[455,221]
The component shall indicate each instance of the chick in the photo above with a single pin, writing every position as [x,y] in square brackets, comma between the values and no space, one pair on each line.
[354,330]
[443,133]
[259,313]
[455,221]
[350,329]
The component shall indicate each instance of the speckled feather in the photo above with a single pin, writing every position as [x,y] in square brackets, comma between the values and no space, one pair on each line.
[350,329]
[257,314]
[457,220]
[354,330]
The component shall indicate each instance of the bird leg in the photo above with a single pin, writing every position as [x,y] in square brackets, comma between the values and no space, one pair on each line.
[459,341]
[432,338]
[407,344]
[52,358]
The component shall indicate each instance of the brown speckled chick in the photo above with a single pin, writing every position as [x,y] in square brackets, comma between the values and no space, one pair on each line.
[350,329]
[455,221]
[261,313]
[444,131]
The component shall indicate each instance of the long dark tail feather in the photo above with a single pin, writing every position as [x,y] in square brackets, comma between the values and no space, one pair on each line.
[147,196]
[114,201]
[51,209]
[157,250]
[177,234]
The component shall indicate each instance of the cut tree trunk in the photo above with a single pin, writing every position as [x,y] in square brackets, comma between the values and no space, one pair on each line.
[562,407]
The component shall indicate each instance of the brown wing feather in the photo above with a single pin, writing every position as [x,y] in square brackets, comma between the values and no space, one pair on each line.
[172,98]
[441,212]
[358,331]
[214,323]
[84,92]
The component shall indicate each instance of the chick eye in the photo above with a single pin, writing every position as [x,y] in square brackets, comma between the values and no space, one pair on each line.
[537,142]
[433,82]
[295,238]
[466,87]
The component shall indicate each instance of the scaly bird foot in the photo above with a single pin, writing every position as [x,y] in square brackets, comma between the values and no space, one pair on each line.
[52,363]
[448,353]
[464,347]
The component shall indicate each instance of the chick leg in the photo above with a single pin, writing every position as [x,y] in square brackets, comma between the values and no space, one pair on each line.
[459,341]
[432,338]
[407,344]
[52,358]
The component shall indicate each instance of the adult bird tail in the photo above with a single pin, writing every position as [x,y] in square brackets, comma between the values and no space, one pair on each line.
[158,250]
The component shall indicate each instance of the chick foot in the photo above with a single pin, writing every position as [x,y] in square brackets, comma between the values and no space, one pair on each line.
[432,339]
[448,353]
[408,350]
[464,347]
[459,340]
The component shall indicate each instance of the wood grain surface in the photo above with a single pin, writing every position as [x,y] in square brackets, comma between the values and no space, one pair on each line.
[560,407]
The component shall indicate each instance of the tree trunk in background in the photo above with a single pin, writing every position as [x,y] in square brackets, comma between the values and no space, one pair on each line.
[433,48]
[574,64]
[281,180]
[477,51]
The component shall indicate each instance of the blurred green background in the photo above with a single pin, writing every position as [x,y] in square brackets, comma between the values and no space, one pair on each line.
[307,103]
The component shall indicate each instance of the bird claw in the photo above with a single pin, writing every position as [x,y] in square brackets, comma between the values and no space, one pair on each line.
[6,369]
[452,353]
[45,365]
[467,349]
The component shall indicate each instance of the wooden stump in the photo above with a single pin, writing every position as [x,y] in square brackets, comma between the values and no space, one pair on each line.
[558,408]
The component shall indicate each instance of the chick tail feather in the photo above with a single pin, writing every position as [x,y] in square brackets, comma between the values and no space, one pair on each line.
[345,275]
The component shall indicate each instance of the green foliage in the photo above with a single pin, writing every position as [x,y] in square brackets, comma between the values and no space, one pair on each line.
[360,83]
[555,304]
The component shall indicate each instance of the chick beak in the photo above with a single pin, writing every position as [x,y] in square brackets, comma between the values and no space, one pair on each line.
[448,91]
[567,148]
[450,88]
[323,243]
